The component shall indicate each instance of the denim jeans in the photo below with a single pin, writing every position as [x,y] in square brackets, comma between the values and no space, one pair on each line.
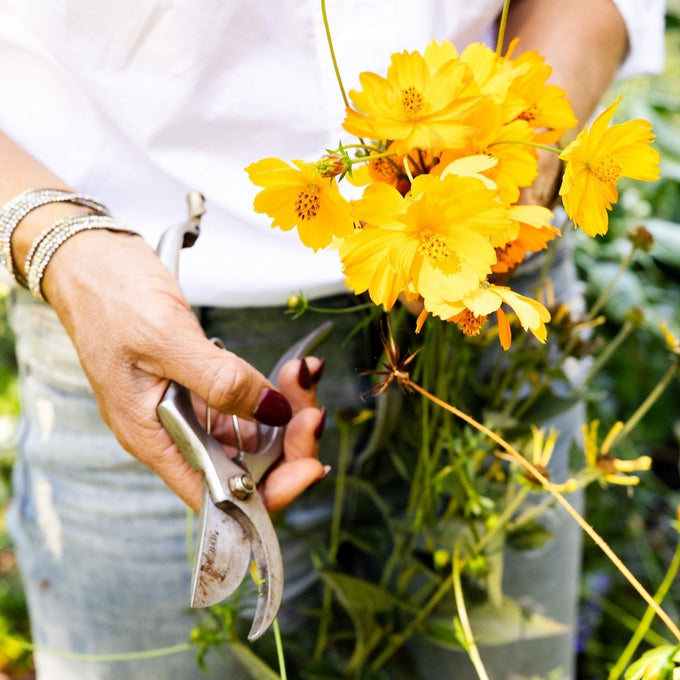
[101,541]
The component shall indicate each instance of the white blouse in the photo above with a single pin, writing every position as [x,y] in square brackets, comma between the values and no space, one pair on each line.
[138,102]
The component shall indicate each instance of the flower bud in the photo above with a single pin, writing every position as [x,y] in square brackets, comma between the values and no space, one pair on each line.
[641,239]
[635,316]
[332,165]
[296,304]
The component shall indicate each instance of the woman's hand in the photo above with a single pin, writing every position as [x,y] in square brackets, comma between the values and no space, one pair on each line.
[134,332]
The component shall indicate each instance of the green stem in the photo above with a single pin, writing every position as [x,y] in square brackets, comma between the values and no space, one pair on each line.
[607,291]
[344,310]
[501,28]
[122,656]
[646,620]
[503,519]
[649,401]
[607,353]
[398,640]
[372,157]
[334,539]
[469,642]
[338,77]
[279,650]
[524,142]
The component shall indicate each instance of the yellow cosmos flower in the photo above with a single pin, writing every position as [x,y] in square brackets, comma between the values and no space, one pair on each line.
[605,466]
[516,163]
[597,159]
[487,299]
[412,106]
[493,74]
[299,197]
[672,341]
[544,106]
[423,243]
[541,452]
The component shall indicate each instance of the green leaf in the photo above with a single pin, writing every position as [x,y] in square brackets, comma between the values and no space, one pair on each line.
[492,625]
[252,663]
[362,601]
[445,633]
[529,536]
[656,664]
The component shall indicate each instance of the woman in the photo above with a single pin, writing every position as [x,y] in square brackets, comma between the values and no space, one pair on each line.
[135,104]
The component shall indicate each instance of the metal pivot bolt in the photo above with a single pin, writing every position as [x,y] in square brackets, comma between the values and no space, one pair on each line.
[242,486]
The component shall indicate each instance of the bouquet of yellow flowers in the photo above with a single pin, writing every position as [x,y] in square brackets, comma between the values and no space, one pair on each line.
[442,148]
[454,140]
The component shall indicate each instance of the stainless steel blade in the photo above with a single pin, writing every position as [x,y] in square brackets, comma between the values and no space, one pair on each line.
[222,555]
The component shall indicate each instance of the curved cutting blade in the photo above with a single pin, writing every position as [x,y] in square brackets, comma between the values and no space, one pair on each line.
[257,525]
[222,555]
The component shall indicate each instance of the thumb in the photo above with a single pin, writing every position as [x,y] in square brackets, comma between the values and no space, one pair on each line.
[222,380]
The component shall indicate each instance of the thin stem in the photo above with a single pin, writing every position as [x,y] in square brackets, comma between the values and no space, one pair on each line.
[469,643]
[122,656]
[607,291]
[646,620]
[279,650]
[371,157]
[334,540]
[338,77]
[524,142]
[503,519]
[343,310]
[607,353]
[501,28]
[550,488]
[649,401]
[398,640]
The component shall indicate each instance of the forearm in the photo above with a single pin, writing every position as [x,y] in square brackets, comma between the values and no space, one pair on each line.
[585,42]
[20,171]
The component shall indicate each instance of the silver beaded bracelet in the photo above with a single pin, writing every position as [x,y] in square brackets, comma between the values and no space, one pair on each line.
[46,245]
[18,207]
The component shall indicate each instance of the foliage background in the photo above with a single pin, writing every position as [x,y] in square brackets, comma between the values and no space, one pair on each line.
[640,527]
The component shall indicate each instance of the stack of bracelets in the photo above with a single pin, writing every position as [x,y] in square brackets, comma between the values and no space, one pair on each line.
[49,241]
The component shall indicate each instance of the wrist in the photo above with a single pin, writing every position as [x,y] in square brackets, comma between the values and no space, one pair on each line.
[92,261]
[31,226]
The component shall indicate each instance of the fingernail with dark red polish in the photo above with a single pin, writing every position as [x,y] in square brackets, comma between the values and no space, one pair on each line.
[273,409]
[318,431]
[304,376]
[316,375]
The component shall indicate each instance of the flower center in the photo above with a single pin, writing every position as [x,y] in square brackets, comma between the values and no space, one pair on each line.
[412,100]
[468,323]
[383,169]
[529,114]
[433,246]
[607,170]
[307,203]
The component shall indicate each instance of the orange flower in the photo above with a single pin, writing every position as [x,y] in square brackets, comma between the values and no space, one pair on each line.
[535,232]
[300,197]
[487,299]
[597,159]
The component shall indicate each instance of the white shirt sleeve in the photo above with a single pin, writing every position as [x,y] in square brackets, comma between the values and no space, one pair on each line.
[645,21]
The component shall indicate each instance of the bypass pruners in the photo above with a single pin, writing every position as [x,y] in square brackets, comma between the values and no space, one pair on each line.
[234,523]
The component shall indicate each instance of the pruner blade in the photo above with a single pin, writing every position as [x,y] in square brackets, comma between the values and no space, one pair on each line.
[234,521]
